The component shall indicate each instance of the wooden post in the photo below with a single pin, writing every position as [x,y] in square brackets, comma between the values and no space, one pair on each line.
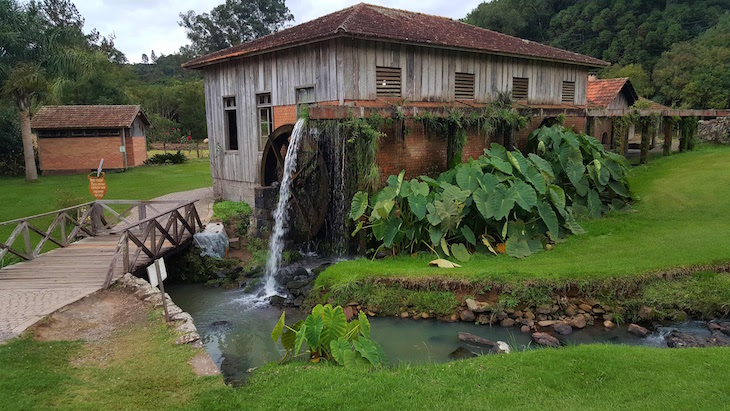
[142,212]
[125,251]
[64,239]
[667,136]
[28,246]
[645,142]
[162,290]
[627,137]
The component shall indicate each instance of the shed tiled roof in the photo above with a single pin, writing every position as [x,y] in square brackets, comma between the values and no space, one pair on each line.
[380,23]
[600,93]
[81,117]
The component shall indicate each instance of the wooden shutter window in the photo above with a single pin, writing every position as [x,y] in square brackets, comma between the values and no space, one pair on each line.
[388,81]
[520,88]
[464,86]
[568,95]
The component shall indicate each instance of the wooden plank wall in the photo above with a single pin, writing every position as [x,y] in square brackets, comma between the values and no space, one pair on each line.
[429,73]
[344,69]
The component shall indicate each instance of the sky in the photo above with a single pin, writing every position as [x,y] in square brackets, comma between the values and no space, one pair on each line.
[141,26]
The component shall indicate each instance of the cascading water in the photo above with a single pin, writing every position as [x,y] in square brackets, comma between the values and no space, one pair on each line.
[281,215]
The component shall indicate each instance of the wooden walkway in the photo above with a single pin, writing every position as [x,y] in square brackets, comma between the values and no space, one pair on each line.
[32,289]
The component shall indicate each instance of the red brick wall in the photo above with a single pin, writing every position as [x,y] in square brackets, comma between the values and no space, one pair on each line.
[136,151]
[602,125]
[80,153]
[284,115]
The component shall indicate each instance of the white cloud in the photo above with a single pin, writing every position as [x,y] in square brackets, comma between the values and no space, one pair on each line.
[144,25]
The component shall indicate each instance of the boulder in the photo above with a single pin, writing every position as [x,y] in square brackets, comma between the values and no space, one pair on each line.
[468,316]
[485,319]
[529,315]
[599,310]
[349,313]
[477,306]
[545,309]
[545,339]
[609,324]
[646,313]
[546,323]
[638,331]
[563,329]
[677,339]
[578,322]
[585,307]
[501,315]
[475,339]
[503,347]
[277,300]
[404,314]
[525,329]
[461,353]
[570,311]
[507,322]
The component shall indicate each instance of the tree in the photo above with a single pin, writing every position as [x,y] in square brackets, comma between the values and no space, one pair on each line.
[153,57]
[145,59]
[232,23]
[37,57]
[636,74]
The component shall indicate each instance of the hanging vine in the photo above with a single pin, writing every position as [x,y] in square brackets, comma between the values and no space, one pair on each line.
[687,133]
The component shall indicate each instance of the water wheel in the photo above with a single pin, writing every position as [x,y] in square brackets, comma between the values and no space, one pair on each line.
[310,184]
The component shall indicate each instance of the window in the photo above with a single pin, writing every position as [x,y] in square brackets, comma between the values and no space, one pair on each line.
[305,95]
[387,81]
[105,132]
[231,128]
[464,86]
[519,88]
[263,103]
[568,94]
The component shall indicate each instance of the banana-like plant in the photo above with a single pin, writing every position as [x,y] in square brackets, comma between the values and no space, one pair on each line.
[331,337]
[504,196]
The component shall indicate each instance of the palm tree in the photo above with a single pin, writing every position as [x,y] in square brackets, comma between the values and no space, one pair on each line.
[35,58]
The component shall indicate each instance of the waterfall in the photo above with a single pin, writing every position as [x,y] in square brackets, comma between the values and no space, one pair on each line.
[333,147]
[281,215]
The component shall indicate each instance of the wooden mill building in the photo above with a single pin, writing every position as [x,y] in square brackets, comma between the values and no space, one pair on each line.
[74,139]
[371,56]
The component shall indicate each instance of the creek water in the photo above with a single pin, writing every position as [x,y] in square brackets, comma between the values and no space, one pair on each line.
[237,332]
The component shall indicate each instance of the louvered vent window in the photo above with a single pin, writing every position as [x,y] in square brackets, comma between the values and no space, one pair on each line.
[387,81]
[519,88]
[464,86]
[568,95]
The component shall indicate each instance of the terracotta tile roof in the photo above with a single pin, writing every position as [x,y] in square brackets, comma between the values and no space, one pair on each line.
[380,23]
[80,117]
[600,93]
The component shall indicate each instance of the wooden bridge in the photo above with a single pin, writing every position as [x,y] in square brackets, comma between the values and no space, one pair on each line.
[91,245]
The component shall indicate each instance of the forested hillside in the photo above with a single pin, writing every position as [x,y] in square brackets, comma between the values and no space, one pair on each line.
[676,52]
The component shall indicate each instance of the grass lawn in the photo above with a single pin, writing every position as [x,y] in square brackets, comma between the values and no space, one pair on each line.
[140,368]
[680,221]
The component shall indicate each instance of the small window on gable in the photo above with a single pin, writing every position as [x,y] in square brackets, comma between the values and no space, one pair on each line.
[464,86]
[305,96]
[520,88]
[230,126]
[387,81]
[263,103]
[568,94]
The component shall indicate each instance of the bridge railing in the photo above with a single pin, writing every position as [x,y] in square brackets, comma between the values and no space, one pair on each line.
[30,236]
[147,238]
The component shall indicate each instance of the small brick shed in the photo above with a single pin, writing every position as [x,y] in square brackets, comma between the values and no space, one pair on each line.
[73,139]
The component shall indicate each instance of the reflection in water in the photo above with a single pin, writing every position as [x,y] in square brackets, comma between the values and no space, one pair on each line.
[236,330]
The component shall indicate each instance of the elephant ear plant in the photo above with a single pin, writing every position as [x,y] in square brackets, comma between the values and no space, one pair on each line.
[329,336]
[525,202]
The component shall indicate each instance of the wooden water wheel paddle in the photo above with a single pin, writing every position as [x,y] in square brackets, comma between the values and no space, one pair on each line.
[310,183]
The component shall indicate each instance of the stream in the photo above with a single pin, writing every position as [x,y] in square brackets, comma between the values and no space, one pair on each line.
[237,334]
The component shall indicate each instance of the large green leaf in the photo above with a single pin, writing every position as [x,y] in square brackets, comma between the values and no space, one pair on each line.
[618,188]
[501,165]
[334,325]
[543,165]
[523,194]
[417,204]
[557,196]
[468,176]
[381,354]
[517,248]
[278,328]
[359,205]
[454,193]
[379,229]
[289,337]
[468,235]
[367,349]
[460,252]
[318,310]
[480,200]
[488,182]
[500,203]
[572,225]
[582,187]
[498,151]
[432,215]
[395,182]
[445,246]
[313,327]
[386,194]
[450,214]
[574,169]
[353,330]
[435,235]
[364,324]
[353,359]
[391,229]
[594,204]
[549,218]
[338,348]
[536,179]
[301,337]
[518,161]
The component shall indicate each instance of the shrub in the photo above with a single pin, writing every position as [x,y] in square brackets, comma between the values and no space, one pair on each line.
[525,202]
[330,337]
[167,158]
[234,214]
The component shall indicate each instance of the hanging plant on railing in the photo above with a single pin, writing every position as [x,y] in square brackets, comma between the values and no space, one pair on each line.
[501,201]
